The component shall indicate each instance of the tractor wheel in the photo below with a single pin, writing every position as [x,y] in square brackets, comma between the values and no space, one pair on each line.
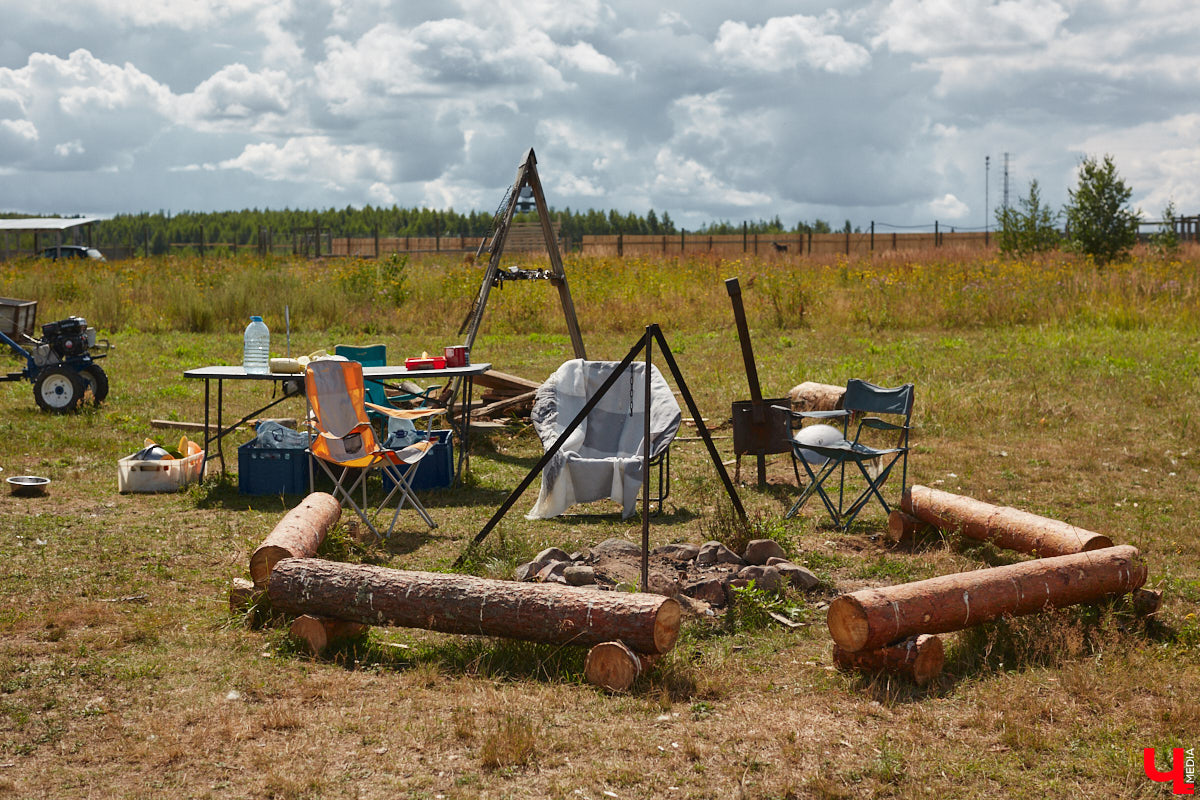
[58,389]
[94,381]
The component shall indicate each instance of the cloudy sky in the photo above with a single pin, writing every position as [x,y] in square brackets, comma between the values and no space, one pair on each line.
[865,111]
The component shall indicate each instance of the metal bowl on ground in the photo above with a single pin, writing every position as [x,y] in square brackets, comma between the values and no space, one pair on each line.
[28,485]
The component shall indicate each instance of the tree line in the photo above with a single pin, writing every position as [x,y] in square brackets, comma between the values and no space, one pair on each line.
[243,228]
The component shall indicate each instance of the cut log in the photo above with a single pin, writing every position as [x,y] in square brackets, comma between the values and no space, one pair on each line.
[320,632]
[1002,526]
[904,527]
[871,618]
[536,612]
[298,535]
[249,603]
[242,595]
[614,666]
[1146,602]
[810,396]
[918,658]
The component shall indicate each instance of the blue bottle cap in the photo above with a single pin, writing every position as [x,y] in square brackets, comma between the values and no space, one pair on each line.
[256,319]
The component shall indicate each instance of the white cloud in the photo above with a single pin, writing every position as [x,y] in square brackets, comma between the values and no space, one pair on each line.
[932,27]
[184,15]
[677,176]
[21,128]
[1159,161]
[786,43]
[948,207]
[314,158]
[234,92]
[585,57]
[72,148]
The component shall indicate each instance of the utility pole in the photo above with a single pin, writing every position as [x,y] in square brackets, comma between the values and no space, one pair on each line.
[987,171]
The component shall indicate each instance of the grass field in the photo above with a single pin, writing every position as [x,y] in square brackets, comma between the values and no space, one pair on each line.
[1050,386]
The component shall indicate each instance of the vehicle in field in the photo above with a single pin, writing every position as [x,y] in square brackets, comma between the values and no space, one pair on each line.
[72,251]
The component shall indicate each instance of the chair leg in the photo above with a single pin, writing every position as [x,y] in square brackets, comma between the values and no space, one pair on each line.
[345,496]
[815,486]
[402,483]
[873,485]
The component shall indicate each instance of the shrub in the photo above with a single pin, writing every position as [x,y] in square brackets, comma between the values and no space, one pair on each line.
[1099,224]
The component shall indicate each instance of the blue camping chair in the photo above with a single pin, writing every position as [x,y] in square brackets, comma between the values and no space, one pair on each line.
[823,450]
[406,393]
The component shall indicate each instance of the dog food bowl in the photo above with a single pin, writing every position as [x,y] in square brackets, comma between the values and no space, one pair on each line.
[29,486]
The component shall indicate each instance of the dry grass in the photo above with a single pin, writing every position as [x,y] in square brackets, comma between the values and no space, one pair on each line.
[1075,401]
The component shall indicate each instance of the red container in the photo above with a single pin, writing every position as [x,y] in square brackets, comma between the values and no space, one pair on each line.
[457,355]
[433,362]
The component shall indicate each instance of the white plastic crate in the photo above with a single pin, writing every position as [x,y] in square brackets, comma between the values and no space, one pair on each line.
[171,475]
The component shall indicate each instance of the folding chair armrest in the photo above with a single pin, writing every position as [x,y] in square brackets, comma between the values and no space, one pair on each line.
[835,414]
[406,413]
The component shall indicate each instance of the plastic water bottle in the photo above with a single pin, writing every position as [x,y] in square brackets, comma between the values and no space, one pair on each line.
[256,352]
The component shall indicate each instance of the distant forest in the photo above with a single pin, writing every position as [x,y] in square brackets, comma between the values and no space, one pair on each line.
[243,227]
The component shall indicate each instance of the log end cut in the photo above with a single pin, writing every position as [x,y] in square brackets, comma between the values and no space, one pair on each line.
[1096,541]
[919,658]
[848,622]
[320,632]
[613,666]
[263,561]
[931,657]
[666,625]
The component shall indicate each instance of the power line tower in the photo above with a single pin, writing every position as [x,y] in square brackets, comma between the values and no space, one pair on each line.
[1006,157]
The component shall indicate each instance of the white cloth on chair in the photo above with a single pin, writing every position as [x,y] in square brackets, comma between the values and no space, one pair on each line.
[602,458]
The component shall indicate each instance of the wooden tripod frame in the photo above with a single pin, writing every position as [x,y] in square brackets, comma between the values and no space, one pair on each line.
[527,175]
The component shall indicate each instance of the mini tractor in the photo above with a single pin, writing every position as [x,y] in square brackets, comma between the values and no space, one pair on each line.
[62,364]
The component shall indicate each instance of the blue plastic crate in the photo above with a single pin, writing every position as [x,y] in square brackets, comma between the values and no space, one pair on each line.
[272,470]
[436,470]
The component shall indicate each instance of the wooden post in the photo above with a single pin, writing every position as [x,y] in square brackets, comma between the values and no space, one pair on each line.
[872,618]
[1003,526]
[450,603]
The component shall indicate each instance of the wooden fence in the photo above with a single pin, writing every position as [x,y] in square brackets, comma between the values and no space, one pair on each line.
[522,236]
[781,244]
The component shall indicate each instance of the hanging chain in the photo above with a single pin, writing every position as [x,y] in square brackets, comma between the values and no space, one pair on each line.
[631,390]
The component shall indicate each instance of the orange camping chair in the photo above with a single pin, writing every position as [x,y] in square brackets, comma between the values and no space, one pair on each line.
[345,444]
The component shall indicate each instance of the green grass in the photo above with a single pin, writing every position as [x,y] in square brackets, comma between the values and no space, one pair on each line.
[1043,386]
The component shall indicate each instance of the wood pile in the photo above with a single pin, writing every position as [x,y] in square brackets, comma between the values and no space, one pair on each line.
[504,394]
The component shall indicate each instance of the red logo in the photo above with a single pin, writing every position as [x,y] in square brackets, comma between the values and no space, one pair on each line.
[1183,770]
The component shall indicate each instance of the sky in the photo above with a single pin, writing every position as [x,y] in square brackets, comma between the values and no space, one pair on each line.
[884,111]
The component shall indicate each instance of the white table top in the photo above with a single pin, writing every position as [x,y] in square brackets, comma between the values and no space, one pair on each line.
[397,372]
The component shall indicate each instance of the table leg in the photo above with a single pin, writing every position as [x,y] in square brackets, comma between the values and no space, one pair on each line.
[207,434]
[220,428]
